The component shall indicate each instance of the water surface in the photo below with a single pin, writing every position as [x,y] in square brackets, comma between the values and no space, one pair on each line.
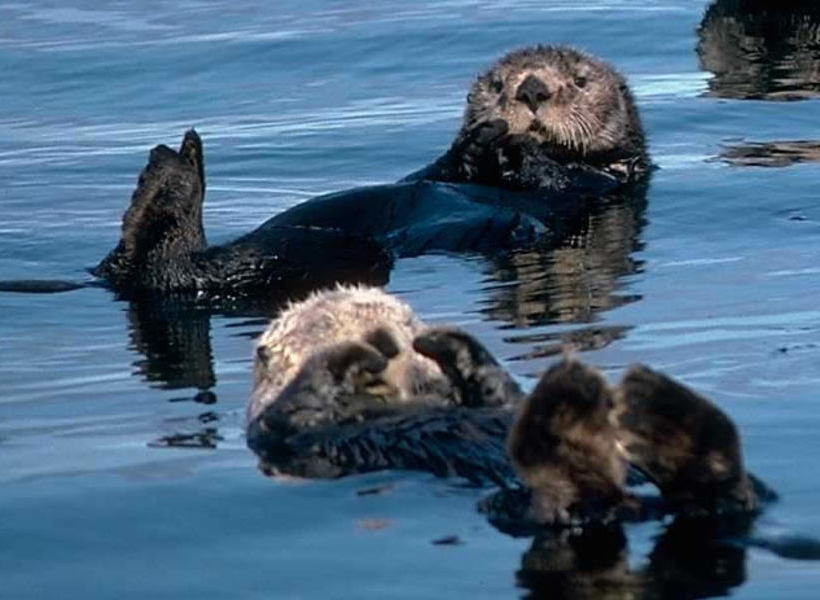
[120,478]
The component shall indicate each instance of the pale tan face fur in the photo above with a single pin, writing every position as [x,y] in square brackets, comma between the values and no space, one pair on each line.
[573,101]
[347,313]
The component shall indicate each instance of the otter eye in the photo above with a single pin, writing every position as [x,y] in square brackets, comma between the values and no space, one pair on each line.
[497,85]
[580,81]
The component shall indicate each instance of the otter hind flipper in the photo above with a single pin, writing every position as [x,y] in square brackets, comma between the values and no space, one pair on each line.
[190,150]
[162,226]
[475,375]
[563,446]
[684,443]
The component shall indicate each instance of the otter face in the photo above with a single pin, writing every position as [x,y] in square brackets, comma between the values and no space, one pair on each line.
[558,97]
[337,384]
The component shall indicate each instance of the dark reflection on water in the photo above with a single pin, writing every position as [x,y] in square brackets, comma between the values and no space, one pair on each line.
[574,275]
[772,154]
[690,559]
[759,49]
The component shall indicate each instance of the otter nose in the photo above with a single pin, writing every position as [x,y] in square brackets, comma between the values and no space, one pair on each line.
[532,92]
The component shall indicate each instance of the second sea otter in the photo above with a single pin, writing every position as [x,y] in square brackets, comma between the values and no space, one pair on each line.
[549,128]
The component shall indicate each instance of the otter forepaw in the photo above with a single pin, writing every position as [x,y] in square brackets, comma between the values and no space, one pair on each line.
[350,358]
[478,157]
[473,372]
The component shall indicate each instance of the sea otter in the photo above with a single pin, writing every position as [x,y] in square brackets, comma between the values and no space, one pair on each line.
[546,117]
[563,446]
[548,127]
[545,120]
[353,354]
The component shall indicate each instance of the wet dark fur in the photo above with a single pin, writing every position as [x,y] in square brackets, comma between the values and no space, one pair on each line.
[686,445]
[508,141]
[562,445]
[546,117]
[163,245]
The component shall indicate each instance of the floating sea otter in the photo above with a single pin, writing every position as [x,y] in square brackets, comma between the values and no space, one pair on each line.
[545,126]
[336,373]
[327,402]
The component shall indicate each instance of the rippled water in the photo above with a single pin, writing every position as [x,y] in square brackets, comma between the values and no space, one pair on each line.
[714,281]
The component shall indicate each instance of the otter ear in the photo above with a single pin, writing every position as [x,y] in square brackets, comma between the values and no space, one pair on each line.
[263,356]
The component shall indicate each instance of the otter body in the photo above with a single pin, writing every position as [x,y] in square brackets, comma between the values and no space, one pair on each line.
[547,127]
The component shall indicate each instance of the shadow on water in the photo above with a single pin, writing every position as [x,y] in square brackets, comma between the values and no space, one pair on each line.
[761,50]
[772,154]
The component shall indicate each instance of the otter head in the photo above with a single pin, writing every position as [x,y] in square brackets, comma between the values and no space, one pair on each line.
[164,221]
[571,104]
[339,384]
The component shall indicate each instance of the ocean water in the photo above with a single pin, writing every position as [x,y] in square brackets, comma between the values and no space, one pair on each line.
[119,478]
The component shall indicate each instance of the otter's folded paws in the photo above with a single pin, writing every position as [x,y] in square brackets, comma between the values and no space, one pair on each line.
[476,151]
[476,377]
[340,383]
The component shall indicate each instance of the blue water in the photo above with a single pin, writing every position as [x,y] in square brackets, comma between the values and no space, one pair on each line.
[718,286]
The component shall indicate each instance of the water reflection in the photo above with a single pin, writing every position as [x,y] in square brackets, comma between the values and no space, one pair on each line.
[771,154]
[758,49]
[691,559]
[571,277]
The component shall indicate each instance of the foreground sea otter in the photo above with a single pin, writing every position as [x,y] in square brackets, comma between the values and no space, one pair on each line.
[356,357]
[327,402]
[547,127]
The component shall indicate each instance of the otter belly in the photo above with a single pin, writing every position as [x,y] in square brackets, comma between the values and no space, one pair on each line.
[415,217]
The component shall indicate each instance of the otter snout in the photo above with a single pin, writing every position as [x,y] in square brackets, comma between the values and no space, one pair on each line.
[533,92]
